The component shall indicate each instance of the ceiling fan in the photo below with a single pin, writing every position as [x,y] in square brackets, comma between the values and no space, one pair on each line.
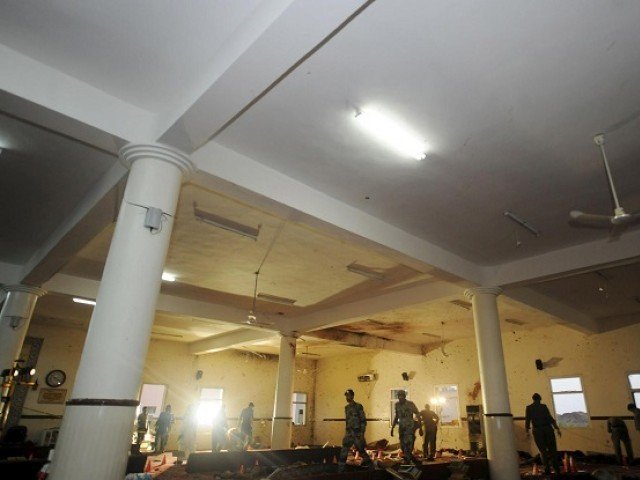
[252,316]
[620,219]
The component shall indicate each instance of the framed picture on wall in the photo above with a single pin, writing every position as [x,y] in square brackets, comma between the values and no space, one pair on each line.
[52,395]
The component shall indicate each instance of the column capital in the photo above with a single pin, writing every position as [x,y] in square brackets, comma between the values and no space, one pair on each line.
[471,292]
[292,334]
[24,288]
[135,151]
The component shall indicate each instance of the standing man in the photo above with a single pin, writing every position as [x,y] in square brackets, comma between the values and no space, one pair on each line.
[219,430]
[405,411]
[163,427]
[245,423]
[142,426]
[635,411]
[429,420]
[619,434]
[356,424]
[543,425]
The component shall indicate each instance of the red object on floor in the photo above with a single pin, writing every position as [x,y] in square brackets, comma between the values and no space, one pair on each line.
[535,470]
[572,465]
[147,467]
[164,460]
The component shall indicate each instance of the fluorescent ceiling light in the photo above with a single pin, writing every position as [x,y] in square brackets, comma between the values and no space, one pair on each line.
[365,271]
[86,301]
[225,223]
[274,299]
[168,277]
[392,133]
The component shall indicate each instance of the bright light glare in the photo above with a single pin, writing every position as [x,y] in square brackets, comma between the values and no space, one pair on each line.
[207,411]
[392,134]
[168,277]
[84,300]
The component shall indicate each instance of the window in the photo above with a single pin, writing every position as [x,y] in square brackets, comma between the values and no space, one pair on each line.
[209,406]
[446,405]
[394,400]
[299,408]
[634,383]
[151,396]
[569,402]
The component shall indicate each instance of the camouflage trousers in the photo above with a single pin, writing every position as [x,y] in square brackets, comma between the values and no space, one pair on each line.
[407,439]
[356,440]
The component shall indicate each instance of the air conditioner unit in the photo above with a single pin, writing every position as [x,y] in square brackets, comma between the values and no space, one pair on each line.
[368,377]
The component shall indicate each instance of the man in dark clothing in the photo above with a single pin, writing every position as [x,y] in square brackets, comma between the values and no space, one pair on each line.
[142,425]
[163,426]
[406,410]
[619,434]
[635,411]
[245,423]
[543,424]
[356,424]
[429,420]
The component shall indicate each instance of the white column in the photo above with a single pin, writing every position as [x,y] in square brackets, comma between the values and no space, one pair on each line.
[97,424]
[281,427]
[14,320]
[498,420]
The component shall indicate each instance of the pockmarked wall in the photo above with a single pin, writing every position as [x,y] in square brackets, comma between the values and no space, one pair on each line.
[603,361]
[243,376]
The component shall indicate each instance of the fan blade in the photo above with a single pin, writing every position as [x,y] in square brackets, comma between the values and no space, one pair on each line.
[603,221]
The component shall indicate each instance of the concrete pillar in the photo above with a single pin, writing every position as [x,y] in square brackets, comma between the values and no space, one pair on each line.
[498,420]
[14,320]
[281,427]
[98,421]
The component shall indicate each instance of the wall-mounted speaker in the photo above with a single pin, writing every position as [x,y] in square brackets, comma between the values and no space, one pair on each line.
[405,376]
[539,364]
[198,374]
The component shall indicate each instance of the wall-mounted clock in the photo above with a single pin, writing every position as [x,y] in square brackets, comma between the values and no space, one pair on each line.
[55,378]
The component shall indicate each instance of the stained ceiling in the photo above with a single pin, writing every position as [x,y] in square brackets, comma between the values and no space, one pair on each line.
[263,95]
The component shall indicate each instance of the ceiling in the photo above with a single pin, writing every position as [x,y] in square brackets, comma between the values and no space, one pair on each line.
[263,95]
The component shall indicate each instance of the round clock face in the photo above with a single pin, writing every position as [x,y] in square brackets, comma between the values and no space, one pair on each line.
[55,378]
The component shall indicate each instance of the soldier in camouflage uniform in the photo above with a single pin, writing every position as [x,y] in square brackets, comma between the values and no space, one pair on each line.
[405,411]
[356,423]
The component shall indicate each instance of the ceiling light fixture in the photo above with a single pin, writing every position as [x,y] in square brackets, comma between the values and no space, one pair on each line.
[225,223]
[522,223]
[365,271]
[168,277]
[275,299]
[85,301]
[392,133]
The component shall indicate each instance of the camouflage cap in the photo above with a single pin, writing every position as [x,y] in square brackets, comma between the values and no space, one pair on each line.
[349,392]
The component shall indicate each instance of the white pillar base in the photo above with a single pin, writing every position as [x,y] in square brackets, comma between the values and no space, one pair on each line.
[501,452]
[281,433]
[80,440]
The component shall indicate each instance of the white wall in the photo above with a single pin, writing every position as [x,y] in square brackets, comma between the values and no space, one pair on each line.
[244,377]
[603,361]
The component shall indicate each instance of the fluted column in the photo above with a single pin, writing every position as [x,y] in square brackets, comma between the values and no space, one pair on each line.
[96,429]
[281,426]
[498,420]
[14,320]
